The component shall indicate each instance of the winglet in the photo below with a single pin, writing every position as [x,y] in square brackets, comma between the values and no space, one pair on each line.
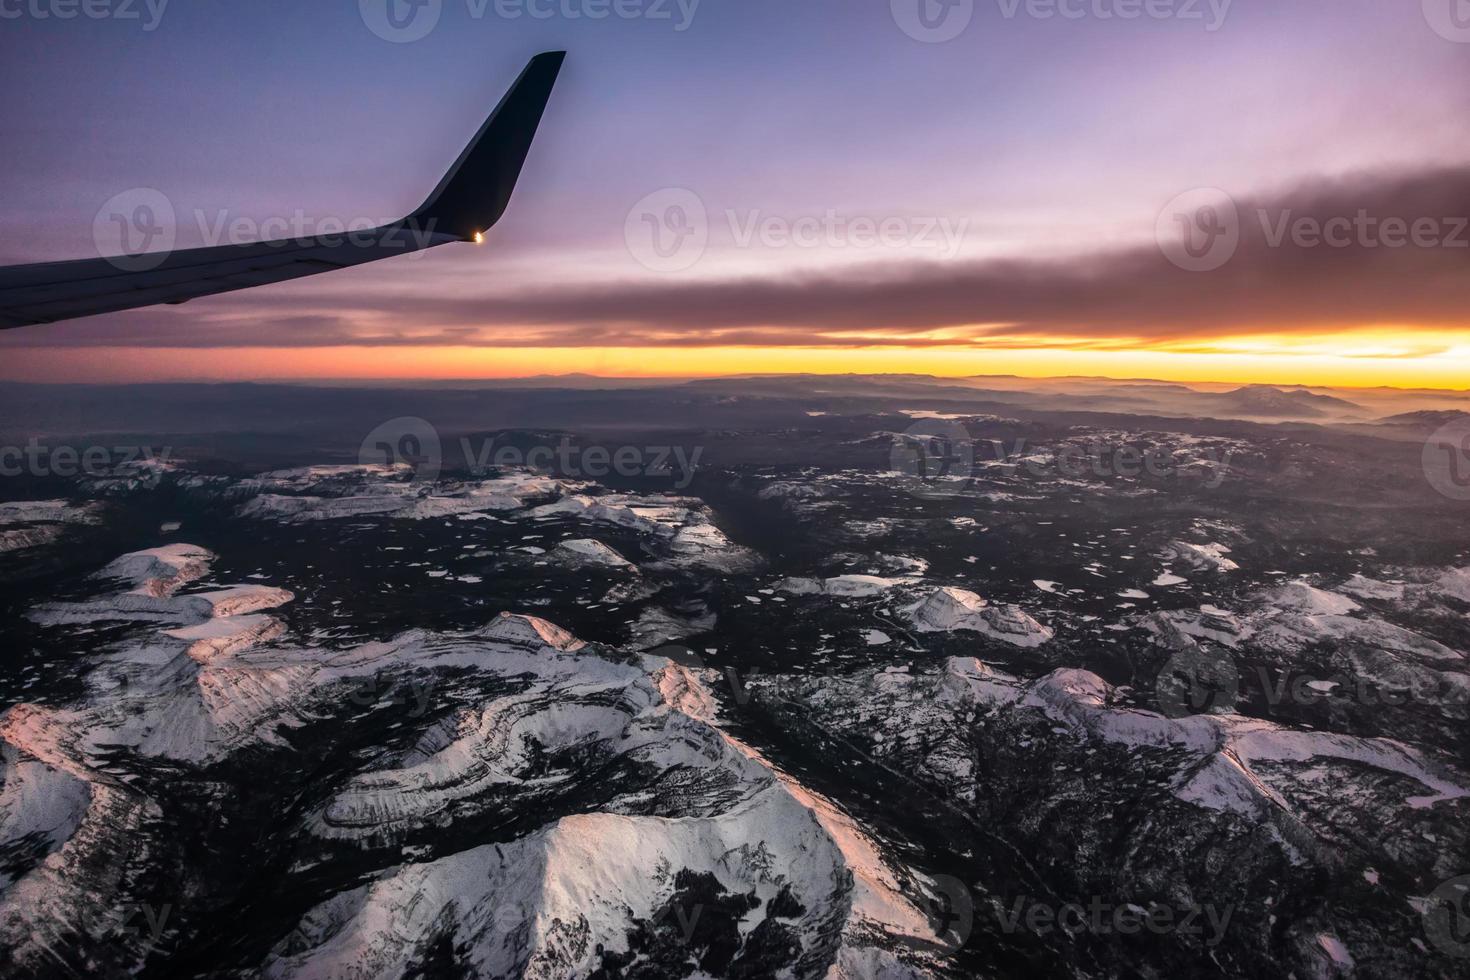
[474,193]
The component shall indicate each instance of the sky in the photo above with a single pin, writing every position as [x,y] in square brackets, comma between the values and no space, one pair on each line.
[1230,190]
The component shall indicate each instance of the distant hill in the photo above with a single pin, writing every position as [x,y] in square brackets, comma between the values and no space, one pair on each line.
[1267,401]
[1423,420]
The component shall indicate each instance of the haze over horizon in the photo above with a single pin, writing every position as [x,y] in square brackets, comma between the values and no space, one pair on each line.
[1001,202]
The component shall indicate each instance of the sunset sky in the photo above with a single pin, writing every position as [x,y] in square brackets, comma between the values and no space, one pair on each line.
[853,198]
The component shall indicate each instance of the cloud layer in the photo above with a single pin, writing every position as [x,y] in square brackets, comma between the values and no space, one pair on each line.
[1325,255]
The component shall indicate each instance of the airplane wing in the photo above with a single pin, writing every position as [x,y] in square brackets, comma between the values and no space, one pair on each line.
[468,201]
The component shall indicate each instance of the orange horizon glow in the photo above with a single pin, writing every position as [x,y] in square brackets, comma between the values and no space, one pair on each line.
[1358,362]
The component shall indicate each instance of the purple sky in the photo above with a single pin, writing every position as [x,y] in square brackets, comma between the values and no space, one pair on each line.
[1037,137]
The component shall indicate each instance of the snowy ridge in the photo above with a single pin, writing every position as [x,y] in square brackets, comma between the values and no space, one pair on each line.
[33,523]
[591,552]
[1236,745]
[703,807]
[542,905]
[47,512]
[682,529]
[160,572]
[850,586]
[183,692]
[66,833]
[1228,762]
[1200,557]
[327,493]
[1289,617]
[948,609]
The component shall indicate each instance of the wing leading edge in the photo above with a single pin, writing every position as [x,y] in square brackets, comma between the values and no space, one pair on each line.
[468,201]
